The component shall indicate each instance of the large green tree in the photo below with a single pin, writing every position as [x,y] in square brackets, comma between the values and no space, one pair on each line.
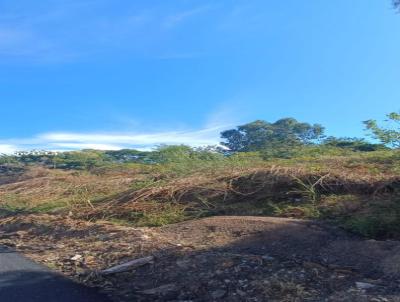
[390,135]
[260,135]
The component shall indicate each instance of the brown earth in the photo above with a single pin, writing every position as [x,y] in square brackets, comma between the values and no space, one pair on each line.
[214,259]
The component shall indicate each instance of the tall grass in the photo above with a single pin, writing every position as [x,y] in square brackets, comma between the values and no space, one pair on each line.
[179,184]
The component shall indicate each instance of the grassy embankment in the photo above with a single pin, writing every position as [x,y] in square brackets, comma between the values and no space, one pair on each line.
[359,191]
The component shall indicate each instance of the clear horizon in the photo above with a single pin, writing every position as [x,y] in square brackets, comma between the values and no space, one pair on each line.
[115,74]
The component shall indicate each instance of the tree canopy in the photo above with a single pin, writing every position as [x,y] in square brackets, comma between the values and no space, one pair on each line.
[259,134]
[352,143]
[390,135]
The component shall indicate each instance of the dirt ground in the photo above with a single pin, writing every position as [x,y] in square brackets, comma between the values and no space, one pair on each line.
[214,259]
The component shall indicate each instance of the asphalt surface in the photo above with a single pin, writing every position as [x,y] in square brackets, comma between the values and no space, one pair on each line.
[22,280]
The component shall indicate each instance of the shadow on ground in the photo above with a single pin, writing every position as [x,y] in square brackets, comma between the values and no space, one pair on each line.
[22,280]
[265,259]
[34,286]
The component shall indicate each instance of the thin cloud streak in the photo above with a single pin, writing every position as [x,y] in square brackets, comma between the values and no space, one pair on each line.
[80,146]
[59,141]
[177,18]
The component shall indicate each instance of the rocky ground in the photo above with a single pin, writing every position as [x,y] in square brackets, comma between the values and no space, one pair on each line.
[213,259]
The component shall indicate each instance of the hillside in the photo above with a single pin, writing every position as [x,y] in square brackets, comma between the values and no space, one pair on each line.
[326,209]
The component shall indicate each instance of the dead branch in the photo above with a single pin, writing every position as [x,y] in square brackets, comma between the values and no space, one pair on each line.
[127,265]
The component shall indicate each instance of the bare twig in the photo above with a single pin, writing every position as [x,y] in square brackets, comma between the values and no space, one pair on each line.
[127,266]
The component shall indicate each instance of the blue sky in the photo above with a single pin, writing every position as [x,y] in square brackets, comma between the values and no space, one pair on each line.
[110,74]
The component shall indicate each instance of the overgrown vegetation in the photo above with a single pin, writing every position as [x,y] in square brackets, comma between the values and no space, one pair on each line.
[280,172]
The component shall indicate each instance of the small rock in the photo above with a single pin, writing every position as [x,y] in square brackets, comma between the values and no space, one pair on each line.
[145,237]
[267,258]
[103,237]
[218,294]
[240,293]
[77,257]
[364,285]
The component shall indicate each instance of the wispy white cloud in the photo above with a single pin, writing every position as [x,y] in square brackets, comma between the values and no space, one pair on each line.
[179,17]
[112,141]
[194,138]
[79,146]
[7,149]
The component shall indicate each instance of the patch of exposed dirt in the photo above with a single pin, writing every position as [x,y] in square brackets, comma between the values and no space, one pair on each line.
[214,259]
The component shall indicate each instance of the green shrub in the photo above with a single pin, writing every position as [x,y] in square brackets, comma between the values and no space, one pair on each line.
[380,220]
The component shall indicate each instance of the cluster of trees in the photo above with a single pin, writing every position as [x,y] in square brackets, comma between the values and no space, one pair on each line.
[286,135]
[89,159]
[389,136]
[261,135]
[284,138]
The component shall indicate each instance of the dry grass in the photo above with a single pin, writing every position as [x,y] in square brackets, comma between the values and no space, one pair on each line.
[40,186]
[294,192]
[153,195]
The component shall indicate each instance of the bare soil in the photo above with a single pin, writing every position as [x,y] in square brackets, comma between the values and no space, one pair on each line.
[227,258]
